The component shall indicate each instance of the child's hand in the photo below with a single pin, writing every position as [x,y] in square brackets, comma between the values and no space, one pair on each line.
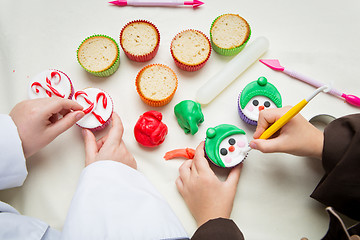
[297,137]
[38,121]
[205,195]
[109,147]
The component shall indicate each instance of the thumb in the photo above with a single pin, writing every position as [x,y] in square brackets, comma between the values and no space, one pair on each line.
[66,122]
[234,175]
[90,146]
[266,145]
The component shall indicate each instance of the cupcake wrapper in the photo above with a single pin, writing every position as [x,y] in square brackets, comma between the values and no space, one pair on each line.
[154,103]
[227,51]
[185,67]
[242,115]
[207,157]
[141,58]
[109,71]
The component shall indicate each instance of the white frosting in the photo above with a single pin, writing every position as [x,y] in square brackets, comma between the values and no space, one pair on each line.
[89,120]
[63,86]
[235,153]
[252,112]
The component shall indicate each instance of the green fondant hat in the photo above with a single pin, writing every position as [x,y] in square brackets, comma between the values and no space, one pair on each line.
[261,87]
[214,136]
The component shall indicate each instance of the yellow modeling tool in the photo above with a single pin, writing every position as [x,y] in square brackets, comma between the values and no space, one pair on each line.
[291,113]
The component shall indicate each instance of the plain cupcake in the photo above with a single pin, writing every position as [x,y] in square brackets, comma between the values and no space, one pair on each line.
[99,55]
[156,84]
[190,50]
[140,40]
[229,34]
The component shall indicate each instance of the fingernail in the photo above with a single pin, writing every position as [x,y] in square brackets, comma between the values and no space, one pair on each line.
[84,132]
[253,145]
[79,115]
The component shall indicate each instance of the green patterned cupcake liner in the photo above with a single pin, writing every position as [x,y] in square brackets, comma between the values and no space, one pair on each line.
[109,71]
[227,51]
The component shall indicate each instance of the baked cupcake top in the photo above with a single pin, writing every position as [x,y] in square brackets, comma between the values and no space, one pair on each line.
[140,40]
[98,53]
[50,83]
[156,84]
[226,145]
[98,108]
[190,47]
[229,31]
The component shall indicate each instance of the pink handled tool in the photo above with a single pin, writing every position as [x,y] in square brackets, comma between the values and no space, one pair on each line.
[164,3]
[275,65]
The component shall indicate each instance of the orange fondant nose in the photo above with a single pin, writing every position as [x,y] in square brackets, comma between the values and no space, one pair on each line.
[261,108]
[231,148]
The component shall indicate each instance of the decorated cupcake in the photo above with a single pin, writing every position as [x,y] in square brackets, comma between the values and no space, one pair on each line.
[99,55]
[190,50]
[226,145]
[140,40]
[98,108]
[156,84]
[229,34]
[51,83]
[256,96]
[149,130]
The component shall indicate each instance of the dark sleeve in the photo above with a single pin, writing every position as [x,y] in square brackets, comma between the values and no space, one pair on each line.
[218,229]
[340,186]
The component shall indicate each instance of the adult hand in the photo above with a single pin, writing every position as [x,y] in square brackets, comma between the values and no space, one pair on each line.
[205,195]
[297,137]
[40,121]
[109,147]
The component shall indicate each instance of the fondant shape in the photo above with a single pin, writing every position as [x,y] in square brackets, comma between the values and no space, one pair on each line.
[189,116]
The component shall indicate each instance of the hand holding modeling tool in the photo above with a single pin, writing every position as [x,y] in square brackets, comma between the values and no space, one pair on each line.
[291,113]
[232,70]
[275,65]
[161,3]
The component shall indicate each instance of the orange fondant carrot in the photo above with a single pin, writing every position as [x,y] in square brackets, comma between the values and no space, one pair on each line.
[184,153]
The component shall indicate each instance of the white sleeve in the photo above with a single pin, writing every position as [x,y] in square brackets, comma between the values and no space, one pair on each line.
[114,201]
[12,161]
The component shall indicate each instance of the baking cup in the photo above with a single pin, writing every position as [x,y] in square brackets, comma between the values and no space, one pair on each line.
[108,71]
[187,67]
[242,115]
[228,51]
[145,57]
[155,103]
[107,122]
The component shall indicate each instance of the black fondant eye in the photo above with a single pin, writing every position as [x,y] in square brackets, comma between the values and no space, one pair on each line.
[267,104]
[232,141]
[223,151]
[255,102]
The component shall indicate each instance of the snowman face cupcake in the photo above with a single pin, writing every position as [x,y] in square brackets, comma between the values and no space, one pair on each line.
[255,105]
[226,145]
[256,96]
[232,150]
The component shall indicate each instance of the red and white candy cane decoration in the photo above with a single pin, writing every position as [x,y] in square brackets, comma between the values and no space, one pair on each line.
[93,105]
[49,85]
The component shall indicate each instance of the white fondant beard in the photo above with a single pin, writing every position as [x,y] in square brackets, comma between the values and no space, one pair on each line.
[251,109]
[63,87]
[230,158]
[89,120]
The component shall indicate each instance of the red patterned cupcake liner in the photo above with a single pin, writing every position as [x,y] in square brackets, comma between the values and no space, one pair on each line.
[145,57]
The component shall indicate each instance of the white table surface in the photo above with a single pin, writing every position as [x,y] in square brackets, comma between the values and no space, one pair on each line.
[317,38]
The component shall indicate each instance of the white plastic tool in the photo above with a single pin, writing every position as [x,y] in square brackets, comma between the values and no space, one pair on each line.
[232,70]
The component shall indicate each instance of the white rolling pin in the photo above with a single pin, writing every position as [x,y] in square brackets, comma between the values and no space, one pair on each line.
[232,70]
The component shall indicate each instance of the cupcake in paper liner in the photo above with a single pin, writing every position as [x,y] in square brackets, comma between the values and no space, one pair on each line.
[229,34]
[140,40]
[99,55]
[190,50]
[255,97]
[98,108]
[226,145]
[156,84]
[51,83]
